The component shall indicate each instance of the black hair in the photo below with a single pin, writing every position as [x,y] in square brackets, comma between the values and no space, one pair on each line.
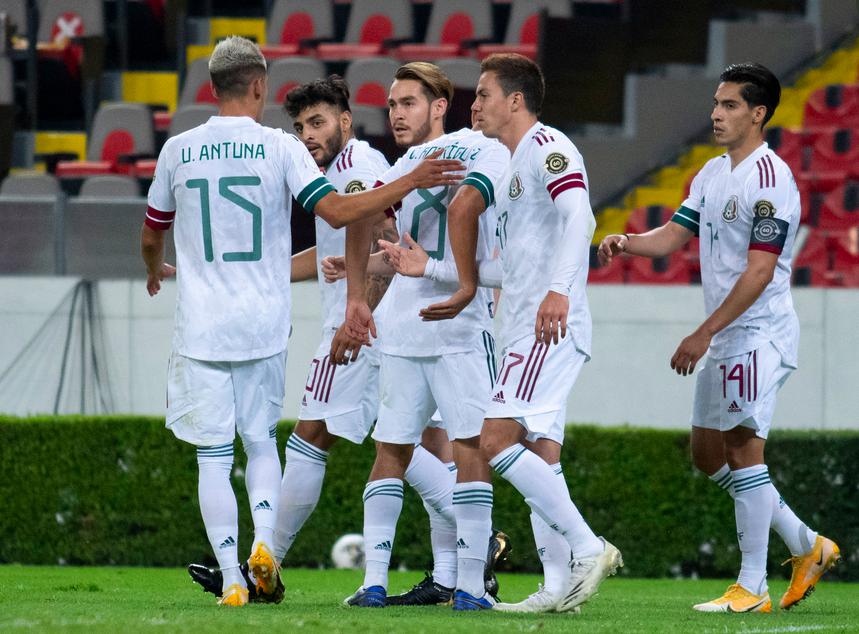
[517,73]
[333,90]
[760,87]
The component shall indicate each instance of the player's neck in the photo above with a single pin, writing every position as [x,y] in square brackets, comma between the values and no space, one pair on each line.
[742,150]
[511,135]
[238,108]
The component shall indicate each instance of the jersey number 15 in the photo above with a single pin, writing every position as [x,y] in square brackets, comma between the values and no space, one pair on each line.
[224,185]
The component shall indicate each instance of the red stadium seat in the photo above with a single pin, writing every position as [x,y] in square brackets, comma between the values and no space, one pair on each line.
[197,87]
[840,208]
[369,80]
[451,23]
[293,22]
[285,74]
[646,218]
[813,188]
[523,27]
[835,151]
[372,24]
[79,169]
[828,259]
[615,273]
[833,106]
[673,269]
[789,146]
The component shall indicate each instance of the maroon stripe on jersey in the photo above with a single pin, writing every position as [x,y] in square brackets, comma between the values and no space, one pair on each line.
[525,371]
[573,185]
[537,375]
[315,364]
[769,248]
[755,362]
[540,347]
[390,212]
[330,382]
[772,169]
[760,175]
[575,176]
[349,156]
[543,136]
[537,139]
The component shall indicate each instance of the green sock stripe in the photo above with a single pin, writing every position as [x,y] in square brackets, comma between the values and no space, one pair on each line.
[302,446]
[756,476]
[508,462]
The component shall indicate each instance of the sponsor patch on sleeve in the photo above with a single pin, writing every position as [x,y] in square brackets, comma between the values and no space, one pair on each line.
[556,163]
[768,234]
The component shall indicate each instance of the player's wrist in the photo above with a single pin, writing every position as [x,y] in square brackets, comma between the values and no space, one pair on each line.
[431,269]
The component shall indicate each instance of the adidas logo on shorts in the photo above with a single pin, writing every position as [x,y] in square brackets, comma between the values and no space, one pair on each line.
[499,398]
[733,408]
[304,400]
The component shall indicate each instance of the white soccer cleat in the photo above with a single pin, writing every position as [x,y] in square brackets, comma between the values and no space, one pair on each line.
[587,574]
[540,601]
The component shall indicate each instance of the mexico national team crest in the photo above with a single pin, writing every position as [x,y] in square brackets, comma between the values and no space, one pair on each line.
[556,163]
[764,209]
[729,213]
[516,189]
[355,186]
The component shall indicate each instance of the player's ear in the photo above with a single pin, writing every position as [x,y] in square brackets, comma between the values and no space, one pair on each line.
[214,91]
[345,120]
[439,107]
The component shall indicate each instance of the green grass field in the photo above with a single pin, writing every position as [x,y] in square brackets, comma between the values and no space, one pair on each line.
[132,599]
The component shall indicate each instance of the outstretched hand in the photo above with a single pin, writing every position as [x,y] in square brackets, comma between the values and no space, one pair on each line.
[435,172]
[153,280]
[410,260]
[333,268]
[449,308]
[343,347]
[611,246]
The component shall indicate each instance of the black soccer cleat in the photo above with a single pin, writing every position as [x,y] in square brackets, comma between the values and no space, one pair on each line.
[212,581]
[427,592]
[499,548]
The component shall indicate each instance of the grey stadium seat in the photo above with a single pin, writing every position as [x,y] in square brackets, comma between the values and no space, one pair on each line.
[27,236]
[290,19]
[463,72]
[34,184]
[196,87]
[370,121]
[132,118]
[188,117]
[369,80]
[522,10]
[87,18]
[286,73]
[275,116]
[110,186]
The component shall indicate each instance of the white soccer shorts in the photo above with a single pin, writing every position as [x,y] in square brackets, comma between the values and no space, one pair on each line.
[208,401]
[739,390]
[412,388]
[533,384]
[346,397]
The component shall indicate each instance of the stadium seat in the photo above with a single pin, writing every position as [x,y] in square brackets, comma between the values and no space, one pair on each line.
[452,23]
[834,151]
[833,106]
[27,237]
[840,208]
[293,22]
[197,87]
[370,121]
[16,13]
[32,184]
[788,145]
[274,116]
[373,25]
[523,26]
[120,132]
[614,273]
[644,219]
[369,80]
[672,269]
[7,92]
[463,72]
[813,188]
[826,260]
[64,20]
[110,186]
[285,74]
[188,117]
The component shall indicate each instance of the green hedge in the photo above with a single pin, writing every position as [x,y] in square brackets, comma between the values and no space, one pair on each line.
[122,490]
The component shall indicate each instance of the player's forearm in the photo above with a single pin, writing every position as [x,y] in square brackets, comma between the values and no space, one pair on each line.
[572,258]
[490,273]
[358,237]
[462,224]
[658,242]
[303,266]
[340,210]
[152,249]
[748,287]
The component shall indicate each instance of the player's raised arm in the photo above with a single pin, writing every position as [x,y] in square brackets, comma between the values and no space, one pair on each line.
[341,210]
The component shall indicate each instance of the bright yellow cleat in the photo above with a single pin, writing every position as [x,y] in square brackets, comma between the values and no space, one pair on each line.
[264,569]
[808,569]
[737,599]
[235,596]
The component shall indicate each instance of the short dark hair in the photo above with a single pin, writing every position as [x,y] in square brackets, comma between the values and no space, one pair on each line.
[760,87]
[517,73]
[332,90]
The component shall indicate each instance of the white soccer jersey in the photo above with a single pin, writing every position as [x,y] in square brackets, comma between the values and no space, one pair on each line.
[754,206]
[530,225]
[424,215]
[228,182]
[356,168]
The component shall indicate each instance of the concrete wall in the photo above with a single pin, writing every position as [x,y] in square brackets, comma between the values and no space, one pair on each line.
[636,330]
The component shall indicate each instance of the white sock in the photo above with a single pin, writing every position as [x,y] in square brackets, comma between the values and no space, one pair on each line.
[552,548]
[299,491]
[472,503]
[383,501]
[798,538]
[262,477]
[218,508]
[536,481]
[753,508]
[434,482]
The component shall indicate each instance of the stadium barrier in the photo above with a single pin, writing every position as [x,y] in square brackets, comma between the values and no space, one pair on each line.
[122,490]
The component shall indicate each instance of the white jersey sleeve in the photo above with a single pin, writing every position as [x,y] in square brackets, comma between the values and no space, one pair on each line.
[689,213]
[161,201]
[768,197]
[302,175]
[487,171]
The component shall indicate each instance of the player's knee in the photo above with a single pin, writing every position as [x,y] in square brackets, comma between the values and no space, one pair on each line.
[316,433]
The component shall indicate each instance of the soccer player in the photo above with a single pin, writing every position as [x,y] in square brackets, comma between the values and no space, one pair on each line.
[426,365]
[227,185]
[745,207]
[545,225]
